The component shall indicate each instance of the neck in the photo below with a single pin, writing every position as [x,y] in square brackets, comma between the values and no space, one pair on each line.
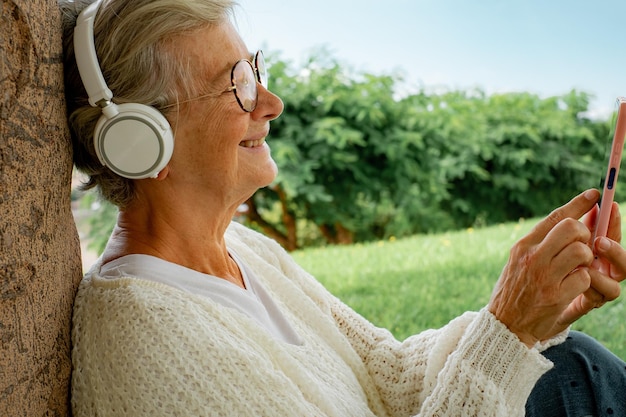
[175,235]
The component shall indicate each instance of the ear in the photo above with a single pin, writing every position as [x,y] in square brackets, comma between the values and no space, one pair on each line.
[163,173]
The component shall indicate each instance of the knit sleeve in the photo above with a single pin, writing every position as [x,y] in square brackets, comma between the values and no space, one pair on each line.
[474,364]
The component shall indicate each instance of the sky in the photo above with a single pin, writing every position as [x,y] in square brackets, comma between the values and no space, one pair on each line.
[546,47]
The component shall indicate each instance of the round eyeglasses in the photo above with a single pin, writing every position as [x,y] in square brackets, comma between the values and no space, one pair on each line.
[243,79]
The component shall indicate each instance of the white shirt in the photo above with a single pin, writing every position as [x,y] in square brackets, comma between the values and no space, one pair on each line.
[253,301]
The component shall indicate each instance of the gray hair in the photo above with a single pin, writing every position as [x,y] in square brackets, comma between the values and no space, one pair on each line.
[131,38]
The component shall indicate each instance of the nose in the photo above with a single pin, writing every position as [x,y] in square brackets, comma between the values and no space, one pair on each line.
[269,106]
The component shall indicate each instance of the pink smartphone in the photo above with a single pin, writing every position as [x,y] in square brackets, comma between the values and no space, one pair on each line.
[610,180]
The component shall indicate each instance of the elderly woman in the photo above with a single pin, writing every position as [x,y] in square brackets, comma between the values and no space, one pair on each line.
[187,313]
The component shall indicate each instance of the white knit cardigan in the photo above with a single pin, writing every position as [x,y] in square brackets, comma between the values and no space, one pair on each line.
[146,349]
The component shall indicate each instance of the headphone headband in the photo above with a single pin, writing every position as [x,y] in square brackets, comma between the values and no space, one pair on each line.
[87,59]
[132,139]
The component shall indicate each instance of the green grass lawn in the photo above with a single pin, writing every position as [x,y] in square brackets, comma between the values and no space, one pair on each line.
[408,285]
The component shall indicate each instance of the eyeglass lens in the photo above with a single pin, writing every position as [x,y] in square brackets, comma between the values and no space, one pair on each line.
[244,81]
[261,70]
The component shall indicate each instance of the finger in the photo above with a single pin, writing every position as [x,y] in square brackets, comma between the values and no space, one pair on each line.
[615,224]
[574,209]
[591,218]
[580,306]
[574,255]
[575,284]
[567,232]
[614,254]
[602,288]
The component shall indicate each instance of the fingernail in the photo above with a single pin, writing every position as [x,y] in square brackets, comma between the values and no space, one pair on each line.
[590,194]
[603,243]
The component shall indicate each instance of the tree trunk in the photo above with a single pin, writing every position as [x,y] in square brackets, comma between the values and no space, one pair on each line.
[289,219]
[337,234]
[39,250]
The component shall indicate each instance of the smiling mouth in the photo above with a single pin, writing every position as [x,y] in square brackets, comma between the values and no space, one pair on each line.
[252,143]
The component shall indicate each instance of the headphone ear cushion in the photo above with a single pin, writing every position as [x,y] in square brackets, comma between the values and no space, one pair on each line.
[136,143]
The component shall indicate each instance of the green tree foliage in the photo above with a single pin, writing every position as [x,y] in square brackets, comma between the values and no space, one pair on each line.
[360,163]
[516,155]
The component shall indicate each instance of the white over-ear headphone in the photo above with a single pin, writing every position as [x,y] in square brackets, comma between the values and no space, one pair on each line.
[134,140]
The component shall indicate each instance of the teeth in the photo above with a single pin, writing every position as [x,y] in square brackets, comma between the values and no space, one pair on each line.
[252,143]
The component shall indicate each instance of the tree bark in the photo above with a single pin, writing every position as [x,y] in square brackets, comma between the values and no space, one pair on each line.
[289,219]
[40,263]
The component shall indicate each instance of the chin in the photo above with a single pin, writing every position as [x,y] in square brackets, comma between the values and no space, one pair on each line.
[261,169]
[270,174]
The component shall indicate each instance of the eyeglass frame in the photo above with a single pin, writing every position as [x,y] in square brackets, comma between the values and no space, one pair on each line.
[260,76]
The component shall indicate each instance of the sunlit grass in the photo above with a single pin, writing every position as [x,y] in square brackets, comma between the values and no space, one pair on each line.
[409,285]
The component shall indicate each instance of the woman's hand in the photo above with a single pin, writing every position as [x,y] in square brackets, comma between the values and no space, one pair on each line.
[607,270]
[541,287]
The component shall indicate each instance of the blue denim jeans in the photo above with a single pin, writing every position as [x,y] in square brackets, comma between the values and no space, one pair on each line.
[587,380]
